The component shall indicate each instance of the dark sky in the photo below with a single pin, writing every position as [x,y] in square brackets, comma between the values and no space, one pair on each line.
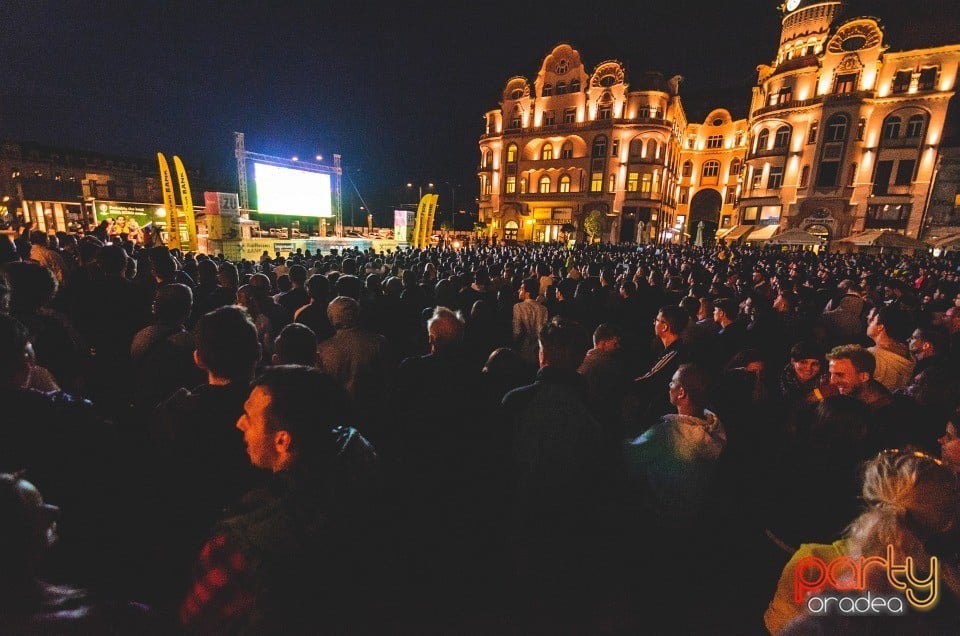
[398,90]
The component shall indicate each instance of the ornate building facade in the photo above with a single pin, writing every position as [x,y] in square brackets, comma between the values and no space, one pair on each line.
[842,135]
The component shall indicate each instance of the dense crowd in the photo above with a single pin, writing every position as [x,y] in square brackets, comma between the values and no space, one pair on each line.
[605,439]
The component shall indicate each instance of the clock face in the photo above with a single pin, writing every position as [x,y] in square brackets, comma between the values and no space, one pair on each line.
[792,4]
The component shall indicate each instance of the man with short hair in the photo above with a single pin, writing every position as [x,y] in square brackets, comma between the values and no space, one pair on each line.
[889,328]
[529,316]
[195,439]
[290,557]
[649,401]
[671,466]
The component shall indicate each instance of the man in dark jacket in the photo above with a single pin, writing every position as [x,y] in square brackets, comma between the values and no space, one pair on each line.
[293,556]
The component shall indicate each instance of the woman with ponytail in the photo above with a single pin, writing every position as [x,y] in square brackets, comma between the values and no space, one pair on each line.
[912,511]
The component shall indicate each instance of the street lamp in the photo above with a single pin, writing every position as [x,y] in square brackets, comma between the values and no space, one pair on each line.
[420,189]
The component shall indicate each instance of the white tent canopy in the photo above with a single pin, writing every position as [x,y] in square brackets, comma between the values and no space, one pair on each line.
[795,236]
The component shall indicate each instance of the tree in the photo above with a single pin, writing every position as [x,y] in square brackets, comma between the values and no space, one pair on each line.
[592,225]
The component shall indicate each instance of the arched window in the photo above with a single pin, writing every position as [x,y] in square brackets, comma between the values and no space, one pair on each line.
[891,127]
[547,90]
[782,138]
[734,168]
[546,152]
[544,184]
[600,146]
[561,88]
[566,150]
[564,183]
[512,153]
[762,139]
[636,148]
[710,170]
[687,168]
[915,126]
[510,229]
[575,86]
[652,147]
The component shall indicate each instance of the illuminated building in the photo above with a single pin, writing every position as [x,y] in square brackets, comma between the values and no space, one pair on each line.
[843,134]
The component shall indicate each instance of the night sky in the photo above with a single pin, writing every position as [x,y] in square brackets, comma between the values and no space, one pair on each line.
[399,90]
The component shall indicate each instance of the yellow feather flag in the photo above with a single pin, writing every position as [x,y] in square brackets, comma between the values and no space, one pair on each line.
[187,202]
[170,203]
[431,211]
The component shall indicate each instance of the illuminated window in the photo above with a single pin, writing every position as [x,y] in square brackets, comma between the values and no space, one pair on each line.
[846,83]
[565,183]
[633,180]
[596,182]
[544,185]
[786,94]
[646,184]
[511,185]
[546,152]
[512,153]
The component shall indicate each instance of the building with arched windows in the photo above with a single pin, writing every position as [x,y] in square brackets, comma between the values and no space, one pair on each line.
[843,135]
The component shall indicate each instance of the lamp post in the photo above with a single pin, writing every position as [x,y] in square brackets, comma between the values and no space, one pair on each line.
[420,189]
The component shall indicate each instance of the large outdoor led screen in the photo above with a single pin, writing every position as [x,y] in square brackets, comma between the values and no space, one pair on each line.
[292,192]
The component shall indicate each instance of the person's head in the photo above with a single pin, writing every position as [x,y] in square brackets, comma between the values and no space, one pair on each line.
[228,346]
[670,322]
[563,343]
[207,272]
[28,528]
[348,285]
[32,286]
[725,310]
[445,329]
[508,367]
[343,312]
[228,275]
[806,359]
[318,288]
[840,425]
[891,322]
[951,319]
[566,289]
[607,337]
[112,260]
[911,499]
[950,443]
[298,275]
[529,289]
[689,389]
[706,308]
[290,415]
[691,305]
[851,367]
[928,341]
[296,344]
[39,237]
[172,304]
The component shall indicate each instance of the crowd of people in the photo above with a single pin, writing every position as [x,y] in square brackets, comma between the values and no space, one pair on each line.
[540,439]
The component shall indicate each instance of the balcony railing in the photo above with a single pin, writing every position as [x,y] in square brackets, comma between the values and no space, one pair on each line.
[582,125]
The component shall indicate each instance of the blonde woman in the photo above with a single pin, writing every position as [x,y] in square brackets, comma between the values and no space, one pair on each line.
[913,510]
